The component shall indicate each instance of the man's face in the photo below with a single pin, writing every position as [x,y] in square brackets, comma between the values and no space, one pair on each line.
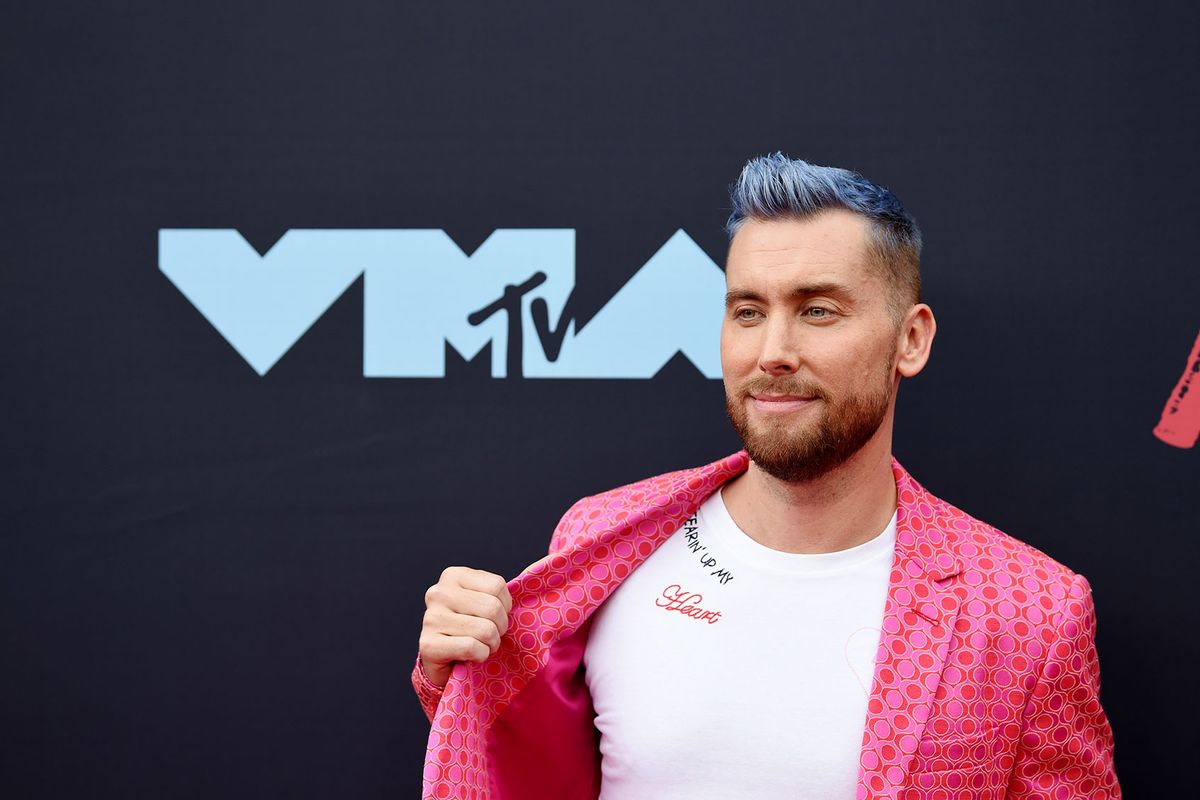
[808,349]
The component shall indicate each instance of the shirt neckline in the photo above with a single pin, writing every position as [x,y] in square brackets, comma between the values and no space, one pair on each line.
[716,524]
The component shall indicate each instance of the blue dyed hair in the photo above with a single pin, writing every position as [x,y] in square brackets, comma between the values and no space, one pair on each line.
[778,187]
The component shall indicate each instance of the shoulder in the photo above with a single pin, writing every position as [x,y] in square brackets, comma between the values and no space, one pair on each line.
[632,495]
[669,491]
[1001,574]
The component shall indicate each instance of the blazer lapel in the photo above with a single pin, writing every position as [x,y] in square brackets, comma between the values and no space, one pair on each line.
[918,623]
[556,594]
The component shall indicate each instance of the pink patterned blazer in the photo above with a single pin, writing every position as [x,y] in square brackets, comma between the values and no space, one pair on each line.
[986,681]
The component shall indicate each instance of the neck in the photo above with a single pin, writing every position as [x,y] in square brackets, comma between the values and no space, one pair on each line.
[847,506]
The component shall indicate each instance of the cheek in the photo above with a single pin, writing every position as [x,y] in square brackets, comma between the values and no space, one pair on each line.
[733,348]
[846,364]
[739,354]
[872,361]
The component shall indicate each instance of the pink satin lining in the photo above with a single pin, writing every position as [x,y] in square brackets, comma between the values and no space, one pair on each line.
[545,745]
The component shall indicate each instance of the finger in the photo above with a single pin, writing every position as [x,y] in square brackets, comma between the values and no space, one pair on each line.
[447,623]
[487,582]
[440,649]
[478,604]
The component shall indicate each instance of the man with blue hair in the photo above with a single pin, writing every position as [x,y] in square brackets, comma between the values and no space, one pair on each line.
[800,619]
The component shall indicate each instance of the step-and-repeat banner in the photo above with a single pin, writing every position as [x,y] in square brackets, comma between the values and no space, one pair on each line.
[304,303]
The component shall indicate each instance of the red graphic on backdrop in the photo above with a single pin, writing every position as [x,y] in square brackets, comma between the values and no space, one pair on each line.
[1180,422]
[676,598]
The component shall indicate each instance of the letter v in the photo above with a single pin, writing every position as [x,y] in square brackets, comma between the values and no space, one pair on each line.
[263,304]
[552,338]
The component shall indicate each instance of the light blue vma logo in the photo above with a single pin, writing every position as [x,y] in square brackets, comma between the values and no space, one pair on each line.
[421,291]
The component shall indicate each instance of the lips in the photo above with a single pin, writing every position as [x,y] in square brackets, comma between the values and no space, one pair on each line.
[775,403]
[779,398]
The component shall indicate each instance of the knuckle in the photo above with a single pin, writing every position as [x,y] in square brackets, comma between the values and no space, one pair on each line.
[433,622]
[493,607]
[489,634]
[427,646]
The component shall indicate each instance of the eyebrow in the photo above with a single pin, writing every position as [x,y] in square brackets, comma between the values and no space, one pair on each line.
[795,293]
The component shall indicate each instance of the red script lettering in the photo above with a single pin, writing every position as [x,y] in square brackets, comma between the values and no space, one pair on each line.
[676,598]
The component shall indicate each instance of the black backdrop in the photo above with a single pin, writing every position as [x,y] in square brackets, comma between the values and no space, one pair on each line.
[212,581]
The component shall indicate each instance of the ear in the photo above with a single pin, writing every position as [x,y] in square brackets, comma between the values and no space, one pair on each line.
[915,340]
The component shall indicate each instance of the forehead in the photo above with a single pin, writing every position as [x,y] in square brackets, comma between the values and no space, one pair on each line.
[830,247]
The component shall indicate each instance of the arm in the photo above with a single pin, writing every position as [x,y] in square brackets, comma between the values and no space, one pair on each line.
[466,616]
[1066,744]
[429,693]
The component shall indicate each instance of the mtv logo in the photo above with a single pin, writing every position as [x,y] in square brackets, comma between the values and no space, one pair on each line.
[421,291]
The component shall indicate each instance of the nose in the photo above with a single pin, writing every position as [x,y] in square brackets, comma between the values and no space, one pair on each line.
[780,354]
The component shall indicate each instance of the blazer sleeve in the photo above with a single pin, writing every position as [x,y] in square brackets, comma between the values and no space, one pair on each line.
[1066,744]
[429,693]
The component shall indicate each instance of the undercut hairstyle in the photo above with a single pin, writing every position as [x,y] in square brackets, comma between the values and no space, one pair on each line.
[777,187]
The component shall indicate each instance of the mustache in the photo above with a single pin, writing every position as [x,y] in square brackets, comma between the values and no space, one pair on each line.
[786,385]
